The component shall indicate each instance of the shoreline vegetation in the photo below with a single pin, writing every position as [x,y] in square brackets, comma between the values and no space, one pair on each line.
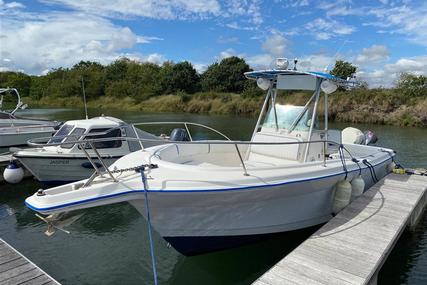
[221,89]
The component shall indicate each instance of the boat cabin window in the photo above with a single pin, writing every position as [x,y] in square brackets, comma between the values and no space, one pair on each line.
[61,133]
[286,115]
[73,136]
[115,133]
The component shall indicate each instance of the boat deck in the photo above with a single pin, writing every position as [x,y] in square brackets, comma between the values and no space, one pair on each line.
[352,247]
[4,159]
[17,269]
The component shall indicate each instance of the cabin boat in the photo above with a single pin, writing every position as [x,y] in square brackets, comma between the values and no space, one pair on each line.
[14,130]
[63,163]
[213,194]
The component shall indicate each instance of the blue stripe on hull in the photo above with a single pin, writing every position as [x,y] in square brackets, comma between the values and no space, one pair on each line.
[195,191]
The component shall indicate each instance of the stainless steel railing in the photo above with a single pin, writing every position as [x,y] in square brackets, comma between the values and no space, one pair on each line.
[98,172]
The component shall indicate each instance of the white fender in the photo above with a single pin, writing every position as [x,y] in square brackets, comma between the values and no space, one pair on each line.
[342,196]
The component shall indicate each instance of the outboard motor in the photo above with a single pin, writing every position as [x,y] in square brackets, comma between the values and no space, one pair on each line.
[370,137]
[179,134]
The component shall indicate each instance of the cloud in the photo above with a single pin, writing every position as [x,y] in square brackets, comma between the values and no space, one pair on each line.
[323,29]
[177,9]
[299,3]
[341,8]
[316,62]
[275,45]
[260,61]
[250,9]
[153,58]
[229,53]
[60,39]
[200,66]
[408,21]
[236,26]
[227,40]
[11,5]
[388,75]
[373,54]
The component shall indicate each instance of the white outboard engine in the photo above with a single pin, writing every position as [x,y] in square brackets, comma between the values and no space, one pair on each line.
[352,136]
[355,136]
[179,134]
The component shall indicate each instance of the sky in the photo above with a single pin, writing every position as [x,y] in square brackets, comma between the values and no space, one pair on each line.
[383,38]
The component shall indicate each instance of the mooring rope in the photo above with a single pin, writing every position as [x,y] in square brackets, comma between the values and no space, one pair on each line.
[371,170]
[147,209]
[390,153]
[344,165]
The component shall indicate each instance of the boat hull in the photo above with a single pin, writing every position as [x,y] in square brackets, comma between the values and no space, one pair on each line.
[21,138]
[60,170]
[205,221]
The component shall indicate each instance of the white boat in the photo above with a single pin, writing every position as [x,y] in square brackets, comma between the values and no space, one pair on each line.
[64,163]
[208,195]
[14,130]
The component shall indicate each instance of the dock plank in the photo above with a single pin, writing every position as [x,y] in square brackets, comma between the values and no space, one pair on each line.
[352,246]
[15,268]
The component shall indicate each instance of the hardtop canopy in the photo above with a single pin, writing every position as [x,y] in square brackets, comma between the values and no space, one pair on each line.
[274,73]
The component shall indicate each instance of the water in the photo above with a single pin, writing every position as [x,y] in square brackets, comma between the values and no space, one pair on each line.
[108,245]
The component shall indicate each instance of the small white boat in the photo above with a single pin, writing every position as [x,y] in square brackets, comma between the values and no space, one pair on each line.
[14,130]
[59,164]
[208,195]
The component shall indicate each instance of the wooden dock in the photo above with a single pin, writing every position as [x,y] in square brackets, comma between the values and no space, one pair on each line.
[352,247]
[17,269]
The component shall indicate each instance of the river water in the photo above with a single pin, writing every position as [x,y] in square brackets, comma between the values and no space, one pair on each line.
[109,245]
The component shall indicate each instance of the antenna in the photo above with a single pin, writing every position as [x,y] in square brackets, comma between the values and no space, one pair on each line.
[336,54]
[84,97]
[295,63]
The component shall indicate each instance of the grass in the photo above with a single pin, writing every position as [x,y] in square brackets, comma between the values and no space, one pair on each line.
[374,106]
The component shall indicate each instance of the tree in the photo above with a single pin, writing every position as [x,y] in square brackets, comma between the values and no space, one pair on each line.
[117,69]
[226,76]
[144,79]
[17,80]
[343,69]
[412,85]
[93,75]
[180,77]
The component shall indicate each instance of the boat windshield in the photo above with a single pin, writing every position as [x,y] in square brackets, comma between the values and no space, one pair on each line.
[74,136]
[61,133]
[114,133]
[286,115]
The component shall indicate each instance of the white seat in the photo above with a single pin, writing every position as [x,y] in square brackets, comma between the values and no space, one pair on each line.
[275,152]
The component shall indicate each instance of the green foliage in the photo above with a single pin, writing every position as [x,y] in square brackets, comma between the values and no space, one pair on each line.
[226,76]
[180,77]
[343,69]
[410,85]
[251,90]
[143,80]
[117,69]
[18,80]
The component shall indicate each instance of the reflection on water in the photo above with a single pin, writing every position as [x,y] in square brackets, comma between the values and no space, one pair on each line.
[109,245]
